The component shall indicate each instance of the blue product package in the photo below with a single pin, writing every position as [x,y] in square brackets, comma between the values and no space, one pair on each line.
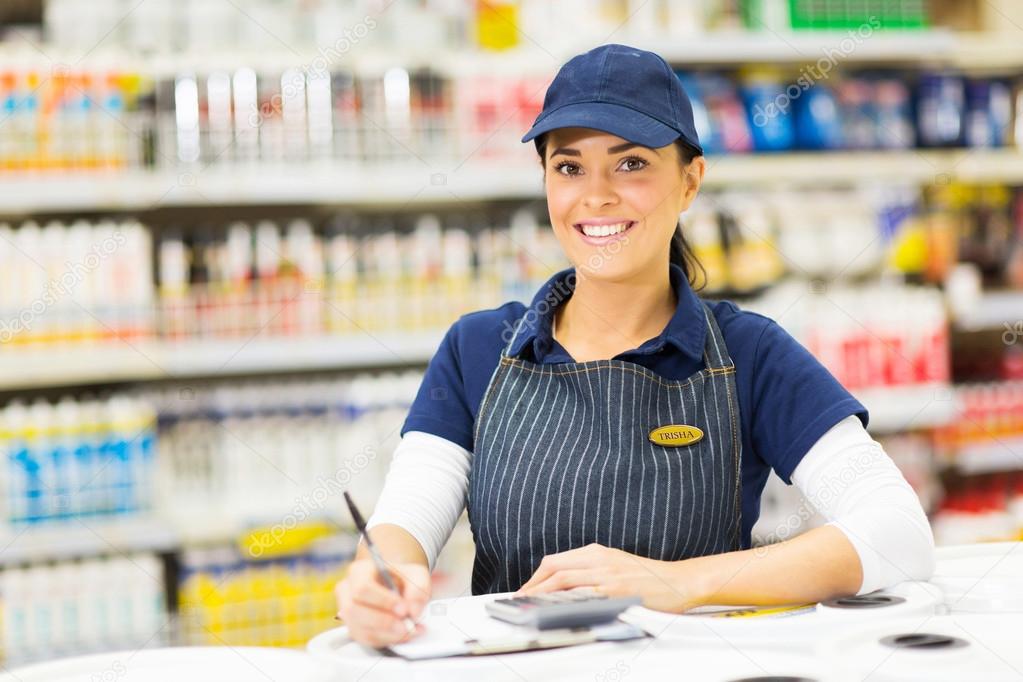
[83,481]
[60,469]
[107,476]
[988,113]
[858,113]
[769,111]
[817,121]
[893,114]
[710,136]
[124,489]
[940,110]
[145,468]
[726,113]
[26,485]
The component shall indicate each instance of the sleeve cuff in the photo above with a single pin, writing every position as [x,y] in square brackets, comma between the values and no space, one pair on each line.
[431,552]
[438,427]
[812,433]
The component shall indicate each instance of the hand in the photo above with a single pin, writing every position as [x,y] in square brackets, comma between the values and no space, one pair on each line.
[375,615]
[663,585]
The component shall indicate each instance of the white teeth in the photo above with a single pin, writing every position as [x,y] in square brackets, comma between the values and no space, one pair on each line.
[604,230]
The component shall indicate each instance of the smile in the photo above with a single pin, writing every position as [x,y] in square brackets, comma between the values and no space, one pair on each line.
[602,234]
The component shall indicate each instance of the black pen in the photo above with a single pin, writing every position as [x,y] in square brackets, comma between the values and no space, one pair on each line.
[377,559]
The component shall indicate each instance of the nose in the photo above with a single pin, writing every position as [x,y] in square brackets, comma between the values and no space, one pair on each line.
[599,192]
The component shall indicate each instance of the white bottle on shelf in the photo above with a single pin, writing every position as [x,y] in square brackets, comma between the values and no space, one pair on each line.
[66,589]
[15,602]
[95,617]
[43,611]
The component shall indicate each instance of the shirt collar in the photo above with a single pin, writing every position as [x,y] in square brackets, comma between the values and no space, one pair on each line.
[686,330]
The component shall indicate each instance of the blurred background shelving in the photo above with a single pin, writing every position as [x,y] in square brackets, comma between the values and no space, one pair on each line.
[233,234]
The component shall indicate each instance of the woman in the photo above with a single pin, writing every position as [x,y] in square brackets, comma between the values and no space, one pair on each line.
[547,421]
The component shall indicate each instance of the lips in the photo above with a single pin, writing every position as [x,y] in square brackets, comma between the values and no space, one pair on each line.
[603,226]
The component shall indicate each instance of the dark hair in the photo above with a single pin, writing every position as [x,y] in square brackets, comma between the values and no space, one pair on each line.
[680,253]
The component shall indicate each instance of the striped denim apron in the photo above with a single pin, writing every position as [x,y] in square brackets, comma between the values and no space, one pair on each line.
[563,459]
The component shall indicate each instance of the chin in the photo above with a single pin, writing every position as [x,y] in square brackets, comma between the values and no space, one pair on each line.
[607,268]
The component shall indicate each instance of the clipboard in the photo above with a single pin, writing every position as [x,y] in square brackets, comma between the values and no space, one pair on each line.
[444,644]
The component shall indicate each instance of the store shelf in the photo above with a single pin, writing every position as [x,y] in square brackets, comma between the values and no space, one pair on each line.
[988,51]
[999,310]
[755,47]
[1000,455]
[909,166]
[907,408]
[730,47]
[87,537]
[160,360]
[405,185]
[113,536]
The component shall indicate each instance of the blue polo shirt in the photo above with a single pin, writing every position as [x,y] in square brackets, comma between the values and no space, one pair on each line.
[787,398]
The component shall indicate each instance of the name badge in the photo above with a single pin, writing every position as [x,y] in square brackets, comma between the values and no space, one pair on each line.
[675,435]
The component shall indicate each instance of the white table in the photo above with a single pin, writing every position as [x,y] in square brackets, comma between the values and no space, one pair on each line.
[181,664]
[974,581]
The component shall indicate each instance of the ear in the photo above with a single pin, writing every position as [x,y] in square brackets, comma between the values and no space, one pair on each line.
[693,179]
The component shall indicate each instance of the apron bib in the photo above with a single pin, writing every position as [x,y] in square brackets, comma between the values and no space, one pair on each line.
[563,457]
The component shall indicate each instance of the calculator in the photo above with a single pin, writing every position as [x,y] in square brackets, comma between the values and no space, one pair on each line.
[562,609]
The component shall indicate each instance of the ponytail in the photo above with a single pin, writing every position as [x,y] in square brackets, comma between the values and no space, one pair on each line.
[681,254]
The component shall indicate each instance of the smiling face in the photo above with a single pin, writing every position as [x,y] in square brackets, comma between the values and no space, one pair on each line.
[614,205]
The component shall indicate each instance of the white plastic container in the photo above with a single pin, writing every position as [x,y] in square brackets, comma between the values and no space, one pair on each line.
[953,648]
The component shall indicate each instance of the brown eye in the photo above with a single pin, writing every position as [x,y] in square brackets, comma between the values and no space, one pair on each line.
[573,168]
[641,163]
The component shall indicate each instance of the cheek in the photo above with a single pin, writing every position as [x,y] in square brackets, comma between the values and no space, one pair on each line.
[561,205]
[652,200]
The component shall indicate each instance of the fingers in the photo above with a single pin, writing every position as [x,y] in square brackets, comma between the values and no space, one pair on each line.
[375,615]
[373,594]
[373,627]
[567,580]
[581,557]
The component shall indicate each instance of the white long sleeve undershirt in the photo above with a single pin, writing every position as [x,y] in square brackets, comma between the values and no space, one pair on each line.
[846,476]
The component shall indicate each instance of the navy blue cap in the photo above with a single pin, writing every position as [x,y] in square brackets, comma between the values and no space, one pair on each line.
[621,90]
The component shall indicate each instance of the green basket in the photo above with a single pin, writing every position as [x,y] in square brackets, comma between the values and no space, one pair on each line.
[831,15]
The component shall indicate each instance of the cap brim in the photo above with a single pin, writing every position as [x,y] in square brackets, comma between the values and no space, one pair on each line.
[616,119]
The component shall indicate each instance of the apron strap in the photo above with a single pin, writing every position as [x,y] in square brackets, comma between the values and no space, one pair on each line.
[715,354]
[518,329]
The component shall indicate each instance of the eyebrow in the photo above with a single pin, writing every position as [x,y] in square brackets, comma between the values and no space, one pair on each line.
[568,151]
